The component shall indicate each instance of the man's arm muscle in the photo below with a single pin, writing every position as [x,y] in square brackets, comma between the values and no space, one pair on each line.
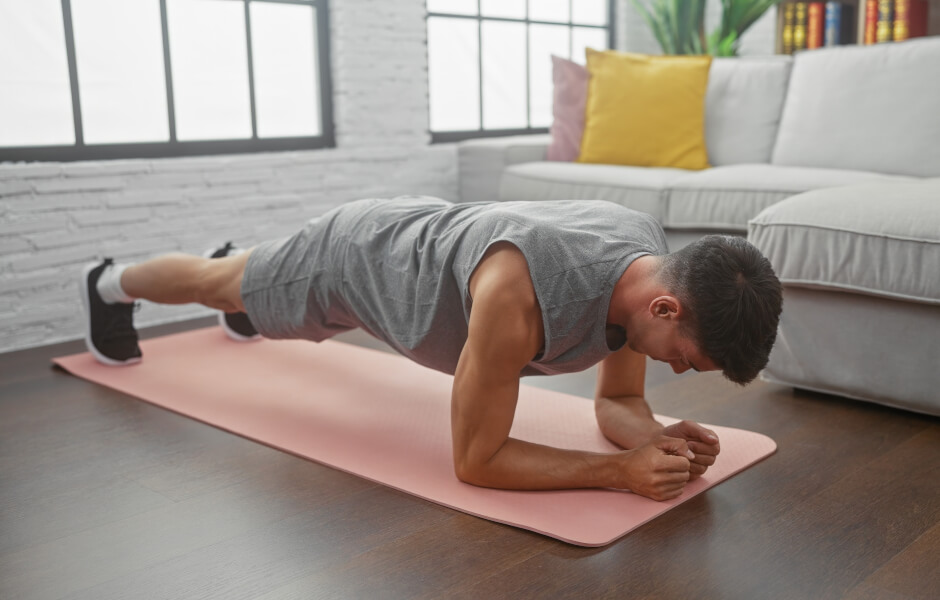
[504,334]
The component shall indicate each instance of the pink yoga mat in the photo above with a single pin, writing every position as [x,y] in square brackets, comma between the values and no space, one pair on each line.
[384,418]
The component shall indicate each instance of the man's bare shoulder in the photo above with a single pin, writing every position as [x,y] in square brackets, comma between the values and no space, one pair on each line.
[503,269]
[504,300]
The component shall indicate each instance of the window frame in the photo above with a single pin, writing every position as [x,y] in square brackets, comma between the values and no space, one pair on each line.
[444,137]
[173,148]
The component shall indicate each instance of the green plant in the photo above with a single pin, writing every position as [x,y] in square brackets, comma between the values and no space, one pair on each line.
[679,25]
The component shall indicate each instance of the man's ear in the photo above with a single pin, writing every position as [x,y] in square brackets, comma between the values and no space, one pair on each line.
[667,307]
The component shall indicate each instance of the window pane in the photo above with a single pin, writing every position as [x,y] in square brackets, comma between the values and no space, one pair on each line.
[459,7]
[511,9]
[586,37]
[549,10]
[544,40]
[453,74]
[589,12]
[209,58]
[287,100]
[121,76]
[36,101]
[504,93]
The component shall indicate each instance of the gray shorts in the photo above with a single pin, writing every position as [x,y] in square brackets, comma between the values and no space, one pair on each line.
[290,286]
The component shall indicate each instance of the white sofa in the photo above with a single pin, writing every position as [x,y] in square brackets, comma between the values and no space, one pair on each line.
[830,143]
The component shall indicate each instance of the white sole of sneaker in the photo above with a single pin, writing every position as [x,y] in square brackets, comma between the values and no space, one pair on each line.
[234,335]
[231,333]
[86,304]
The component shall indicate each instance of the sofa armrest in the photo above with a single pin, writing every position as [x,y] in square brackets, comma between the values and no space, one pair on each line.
[480,162]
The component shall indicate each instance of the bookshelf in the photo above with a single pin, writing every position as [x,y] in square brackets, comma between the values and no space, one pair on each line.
[856,28]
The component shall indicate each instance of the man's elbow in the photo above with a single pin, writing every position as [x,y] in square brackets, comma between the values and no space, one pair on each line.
[465,474]
[470,471]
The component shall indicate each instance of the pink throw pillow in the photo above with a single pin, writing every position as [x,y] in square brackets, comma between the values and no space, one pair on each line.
[568,104]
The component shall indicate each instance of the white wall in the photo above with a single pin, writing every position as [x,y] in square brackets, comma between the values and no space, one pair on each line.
[56,217]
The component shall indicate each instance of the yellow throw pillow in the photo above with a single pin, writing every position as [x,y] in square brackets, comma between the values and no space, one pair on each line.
[646,111]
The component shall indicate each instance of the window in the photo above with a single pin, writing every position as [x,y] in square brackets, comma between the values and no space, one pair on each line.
[489,61]
[100,79]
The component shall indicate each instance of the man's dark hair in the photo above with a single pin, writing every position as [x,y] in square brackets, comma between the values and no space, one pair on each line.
[732,300]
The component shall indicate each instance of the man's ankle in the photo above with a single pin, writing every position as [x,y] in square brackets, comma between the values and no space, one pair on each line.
[109,286]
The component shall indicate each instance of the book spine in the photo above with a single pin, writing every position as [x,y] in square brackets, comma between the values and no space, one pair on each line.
[815,22]
[910,19]
[799,27]
[871,21]
[833,23]
[789,15]
[920,12]
[849,30]
[885,21]
[902,23]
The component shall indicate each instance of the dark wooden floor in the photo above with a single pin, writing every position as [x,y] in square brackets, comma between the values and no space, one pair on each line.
[103,496]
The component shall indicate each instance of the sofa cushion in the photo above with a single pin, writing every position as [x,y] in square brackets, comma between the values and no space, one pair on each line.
[569,97]
[879,239]
[724,198]
[639,188]
[870,108]
[743,106]
[743,103]
[481,161]
[645,110]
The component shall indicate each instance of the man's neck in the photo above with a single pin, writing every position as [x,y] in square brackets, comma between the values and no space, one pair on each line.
[633,291]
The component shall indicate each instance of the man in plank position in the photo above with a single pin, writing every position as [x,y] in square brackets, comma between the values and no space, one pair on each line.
[490,292]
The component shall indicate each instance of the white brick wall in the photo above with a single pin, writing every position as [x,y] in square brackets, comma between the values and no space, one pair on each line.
[55,217]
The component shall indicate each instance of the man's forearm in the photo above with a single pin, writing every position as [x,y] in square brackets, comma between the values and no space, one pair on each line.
[520,465]
[626,421]
[657,470]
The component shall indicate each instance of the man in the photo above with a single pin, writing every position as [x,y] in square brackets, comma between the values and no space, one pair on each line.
[490,292]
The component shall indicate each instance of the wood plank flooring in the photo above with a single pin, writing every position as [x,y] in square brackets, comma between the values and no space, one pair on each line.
[106,497]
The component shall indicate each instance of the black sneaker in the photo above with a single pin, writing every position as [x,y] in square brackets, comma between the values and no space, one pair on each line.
[236,325]
[111,336]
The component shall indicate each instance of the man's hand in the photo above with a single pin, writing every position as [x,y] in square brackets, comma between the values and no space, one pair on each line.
[702,442]
[658,470]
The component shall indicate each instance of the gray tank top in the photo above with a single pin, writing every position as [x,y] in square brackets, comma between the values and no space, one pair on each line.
[408,262]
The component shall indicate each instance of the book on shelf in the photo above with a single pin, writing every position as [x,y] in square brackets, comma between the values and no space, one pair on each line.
[883,31]
[871,20]
[786,36]
[910,19]
[840,24]
[799,26]
[895,20]
[815,23]
[810,25]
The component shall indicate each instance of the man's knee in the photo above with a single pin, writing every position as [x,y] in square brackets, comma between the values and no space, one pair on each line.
[219,283]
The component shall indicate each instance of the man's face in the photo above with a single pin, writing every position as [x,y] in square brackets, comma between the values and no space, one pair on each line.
[662,340]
